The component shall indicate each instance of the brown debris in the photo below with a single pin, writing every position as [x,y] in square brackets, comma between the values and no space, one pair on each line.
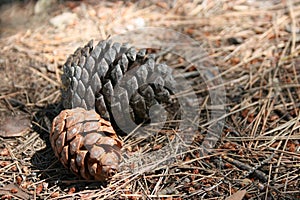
[239,195]
[4,152]
[255,46]
[14,191]
[14,126]
[54,195]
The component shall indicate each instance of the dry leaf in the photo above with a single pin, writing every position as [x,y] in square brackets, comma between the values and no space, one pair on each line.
[239,195]
[14,126]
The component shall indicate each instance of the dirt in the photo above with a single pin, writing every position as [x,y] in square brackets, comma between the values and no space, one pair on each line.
[253,44]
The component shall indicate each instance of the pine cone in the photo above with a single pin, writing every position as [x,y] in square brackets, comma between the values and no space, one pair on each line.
[86,143]
[121,83]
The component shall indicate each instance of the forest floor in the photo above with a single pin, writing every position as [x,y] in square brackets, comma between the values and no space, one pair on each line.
[255,46]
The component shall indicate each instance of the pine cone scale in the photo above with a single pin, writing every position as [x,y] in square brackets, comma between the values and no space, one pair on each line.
[65,156]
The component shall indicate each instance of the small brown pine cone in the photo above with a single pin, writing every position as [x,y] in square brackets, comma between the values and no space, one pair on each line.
[86,144]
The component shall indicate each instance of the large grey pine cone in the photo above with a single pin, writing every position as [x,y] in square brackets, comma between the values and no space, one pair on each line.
[119,82]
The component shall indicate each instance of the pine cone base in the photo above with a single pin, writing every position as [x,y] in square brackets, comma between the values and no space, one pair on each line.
[86,144]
